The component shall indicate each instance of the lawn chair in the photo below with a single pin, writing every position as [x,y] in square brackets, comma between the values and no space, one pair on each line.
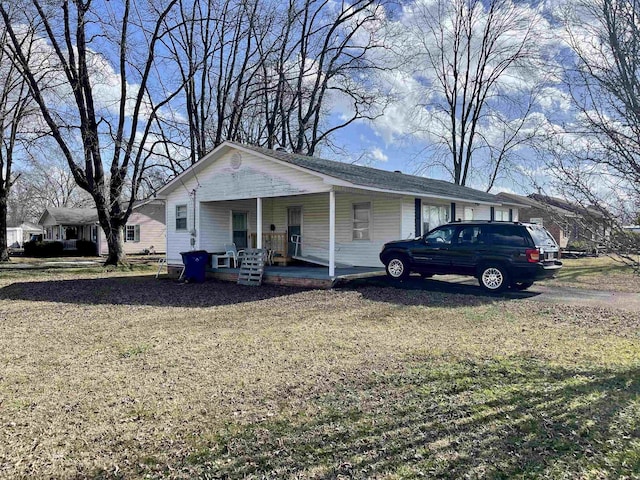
[235,254]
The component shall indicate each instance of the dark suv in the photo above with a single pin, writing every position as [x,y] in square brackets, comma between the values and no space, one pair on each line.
[498,254]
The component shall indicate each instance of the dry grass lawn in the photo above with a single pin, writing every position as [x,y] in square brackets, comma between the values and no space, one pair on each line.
[115,375]
[597,273]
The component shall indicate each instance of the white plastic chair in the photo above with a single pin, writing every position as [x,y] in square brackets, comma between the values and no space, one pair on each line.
[234,254]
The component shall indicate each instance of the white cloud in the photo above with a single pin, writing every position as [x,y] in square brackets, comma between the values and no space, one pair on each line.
[378,155]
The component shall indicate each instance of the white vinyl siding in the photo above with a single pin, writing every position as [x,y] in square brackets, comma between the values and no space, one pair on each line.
[178,240]
[408,219]
[255,177]
[468,213]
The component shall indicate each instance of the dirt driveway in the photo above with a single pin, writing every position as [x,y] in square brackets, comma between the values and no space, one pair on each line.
[549,293]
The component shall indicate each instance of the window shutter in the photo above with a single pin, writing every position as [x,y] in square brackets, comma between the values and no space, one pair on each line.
[136,234]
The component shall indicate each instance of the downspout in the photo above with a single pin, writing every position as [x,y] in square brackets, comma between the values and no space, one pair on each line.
[194,232]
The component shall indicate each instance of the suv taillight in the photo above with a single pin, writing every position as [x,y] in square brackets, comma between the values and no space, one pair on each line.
[533,255]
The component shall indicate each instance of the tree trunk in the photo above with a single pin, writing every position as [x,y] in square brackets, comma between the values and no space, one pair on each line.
[4,252]
[115,241]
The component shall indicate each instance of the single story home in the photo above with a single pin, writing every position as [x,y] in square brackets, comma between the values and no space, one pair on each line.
[308,208]
[18,234]
[144,231]
[568,222]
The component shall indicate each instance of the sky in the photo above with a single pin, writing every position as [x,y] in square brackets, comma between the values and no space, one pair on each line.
[388,142]
[405,137]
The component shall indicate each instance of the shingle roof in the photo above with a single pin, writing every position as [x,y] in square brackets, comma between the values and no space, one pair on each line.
[73,216]
[566,205]
[532,202]
[376,178]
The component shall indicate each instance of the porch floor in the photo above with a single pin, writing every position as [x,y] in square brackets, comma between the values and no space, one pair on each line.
[300,276]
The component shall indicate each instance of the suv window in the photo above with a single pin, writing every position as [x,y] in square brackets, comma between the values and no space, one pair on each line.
[507,235]
[469,236]
[540,236]
[441,235]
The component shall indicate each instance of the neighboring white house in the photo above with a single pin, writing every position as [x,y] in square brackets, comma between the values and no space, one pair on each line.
[343,213]
[145,229]
[16,236]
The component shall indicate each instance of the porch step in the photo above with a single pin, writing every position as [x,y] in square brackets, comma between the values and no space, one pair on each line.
[252,267]
[319,261]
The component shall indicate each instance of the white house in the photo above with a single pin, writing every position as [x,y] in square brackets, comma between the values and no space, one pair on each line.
[16,236]
[341,213]
[144,229]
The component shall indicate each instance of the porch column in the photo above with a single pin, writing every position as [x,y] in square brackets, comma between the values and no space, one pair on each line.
[332,234]
[258,222]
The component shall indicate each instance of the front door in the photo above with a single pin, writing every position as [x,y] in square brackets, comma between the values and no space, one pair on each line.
[294,228]
[239,222]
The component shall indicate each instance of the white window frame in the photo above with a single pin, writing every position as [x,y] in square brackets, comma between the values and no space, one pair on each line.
[354,236]
[185,217]
[135,229]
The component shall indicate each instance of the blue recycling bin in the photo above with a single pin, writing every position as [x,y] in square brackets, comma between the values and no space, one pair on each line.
[195,265]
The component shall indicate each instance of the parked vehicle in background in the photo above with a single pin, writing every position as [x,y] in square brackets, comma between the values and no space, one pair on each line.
[499,254]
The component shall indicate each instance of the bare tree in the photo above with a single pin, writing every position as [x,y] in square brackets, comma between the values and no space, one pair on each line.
[331,49]
[16,106]
[43,180]
[269,73]
[481,70]
[112,89]
[597,158]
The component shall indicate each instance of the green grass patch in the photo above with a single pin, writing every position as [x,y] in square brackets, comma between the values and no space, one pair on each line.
[434,418]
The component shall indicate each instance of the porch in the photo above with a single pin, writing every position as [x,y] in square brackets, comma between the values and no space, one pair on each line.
[300,276]
[307,276]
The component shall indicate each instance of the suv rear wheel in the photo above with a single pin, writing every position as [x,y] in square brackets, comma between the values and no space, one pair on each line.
[397,267]
[493,278]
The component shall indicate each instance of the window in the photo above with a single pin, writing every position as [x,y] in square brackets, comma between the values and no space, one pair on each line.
[469,236]
[361,221]
[132,233]
[433,216]
[442,235]
[507,235]
[468,213]
[181,217]
[240,229]
[501,215]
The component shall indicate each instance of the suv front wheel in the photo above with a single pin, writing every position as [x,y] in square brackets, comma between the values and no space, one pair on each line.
[398,267]
[493,278]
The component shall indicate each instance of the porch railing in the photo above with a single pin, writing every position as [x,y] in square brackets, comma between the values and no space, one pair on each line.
[69,244]
[277,242]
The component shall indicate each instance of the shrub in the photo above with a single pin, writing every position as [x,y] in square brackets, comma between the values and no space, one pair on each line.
[86,248]
[43,249]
